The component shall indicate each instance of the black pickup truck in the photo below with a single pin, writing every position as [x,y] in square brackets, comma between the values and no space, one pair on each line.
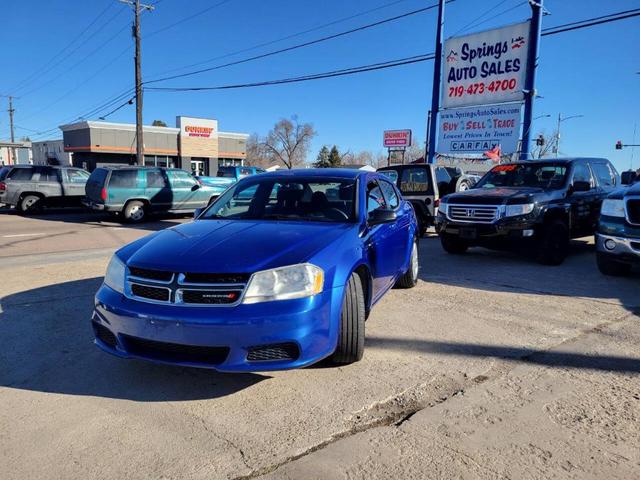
[539,205]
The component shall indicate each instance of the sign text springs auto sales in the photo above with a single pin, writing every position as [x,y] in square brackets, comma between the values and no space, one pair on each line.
[485,68]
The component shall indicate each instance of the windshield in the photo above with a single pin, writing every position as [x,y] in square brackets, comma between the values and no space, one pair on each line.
[287,198]
[534,175]
[391,174]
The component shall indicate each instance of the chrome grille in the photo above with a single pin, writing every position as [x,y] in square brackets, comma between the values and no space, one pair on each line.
[633,210]
[185,288]
[473,213]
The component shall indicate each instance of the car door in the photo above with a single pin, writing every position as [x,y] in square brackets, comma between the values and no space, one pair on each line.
[399,230]
[187,193]
[157,189]
[49,184]
[607,179]
[379,242]
[582,202]
[74,181]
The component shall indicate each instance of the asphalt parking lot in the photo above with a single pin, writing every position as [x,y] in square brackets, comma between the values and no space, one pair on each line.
[492,367]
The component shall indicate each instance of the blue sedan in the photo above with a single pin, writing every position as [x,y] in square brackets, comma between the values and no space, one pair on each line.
[280,272]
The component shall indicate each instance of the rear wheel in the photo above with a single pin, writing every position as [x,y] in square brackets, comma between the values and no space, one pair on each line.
[410,277]
[351,336]
[134,212]
[609,266]
[30,204]
[554,245]
[453,244]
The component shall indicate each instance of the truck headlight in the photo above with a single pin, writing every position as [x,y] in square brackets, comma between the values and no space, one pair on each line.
[515,210]
[285,283]
[114,278]
[442,207]
[612,207]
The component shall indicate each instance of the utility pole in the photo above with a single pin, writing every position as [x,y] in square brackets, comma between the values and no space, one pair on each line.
[137,8]
[530,80]
[556,148]
[11,111]
[435,95]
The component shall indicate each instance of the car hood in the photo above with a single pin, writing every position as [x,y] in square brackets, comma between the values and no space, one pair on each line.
[494,196]
[225,246]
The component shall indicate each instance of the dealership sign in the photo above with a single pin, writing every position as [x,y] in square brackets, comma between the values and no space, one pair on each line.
[479,129]
[397,138]
[486,67]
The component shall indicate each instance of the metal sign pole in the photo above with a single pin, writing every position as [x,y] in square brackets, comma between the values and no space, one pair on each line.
[435,95]
[530,81]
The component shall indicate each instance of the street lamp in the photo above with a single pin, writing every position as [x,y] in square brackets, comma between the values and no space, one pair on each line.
[556,149]
[542,116]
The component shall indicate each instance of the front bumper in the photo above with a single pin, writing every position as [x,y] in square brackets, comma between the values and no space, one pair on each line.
[621,248]
[503,231]
[310,324]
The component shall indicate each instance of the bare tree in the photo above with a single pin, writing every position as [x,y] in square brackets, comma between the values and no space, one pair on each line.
[549,145]
[289,141]
[257,153]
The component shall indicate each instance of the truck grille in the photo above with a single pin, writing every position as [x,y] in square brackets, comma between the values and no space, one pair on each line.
[473,213]
[633,211]
[222,289]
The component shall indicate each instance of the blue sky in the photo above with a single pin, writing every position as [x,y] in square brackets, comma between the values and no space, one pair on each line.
[591,72]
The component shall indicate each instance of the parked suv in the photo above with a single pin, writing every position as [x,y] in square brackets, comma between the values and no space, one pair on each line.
[135,192]
[418,184]
[30,188]
[536,204]
[618,236]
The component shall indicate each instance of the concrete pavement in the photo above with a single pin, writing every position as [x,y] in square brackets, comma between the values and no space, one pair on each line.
[492,367]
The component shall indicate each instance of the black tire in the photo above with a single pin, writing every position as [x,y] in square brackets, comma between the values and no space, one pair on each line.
[134,212]
[410,277]
[351,336]
[30,204]
[453,244]
[554,243]
[422,228]
[609,266]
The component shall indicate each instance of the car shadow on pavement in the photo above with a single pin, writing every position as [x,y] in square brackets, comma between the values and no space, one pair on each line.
[48,347]
[558,359]
[496,271]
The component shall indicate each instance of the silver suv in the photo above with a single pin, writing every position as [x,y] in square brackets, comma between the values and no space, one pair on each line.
[30,188]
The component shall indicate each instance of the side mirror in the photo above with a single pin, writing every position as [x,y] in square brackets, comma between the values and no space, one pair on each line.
[380,216]
[628,177]
[195,187]
[197,212]
[581,186]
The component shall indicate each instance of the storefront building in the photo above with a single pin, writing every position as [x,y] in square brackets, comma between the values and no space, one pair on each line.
[195,145]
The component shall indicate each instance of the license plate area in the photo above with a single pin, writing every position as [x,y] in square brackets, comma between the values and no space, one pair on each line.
[468,233]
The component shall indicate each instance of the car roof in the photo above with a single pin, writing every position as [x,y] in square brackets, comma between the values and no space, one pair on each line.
[318,172]
[566,160]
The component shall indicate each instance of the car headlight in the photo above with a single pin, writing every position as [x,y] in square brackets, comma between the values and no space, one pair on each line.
[515,210]
[442,207]
[612,207]
[285,283]
[114,278]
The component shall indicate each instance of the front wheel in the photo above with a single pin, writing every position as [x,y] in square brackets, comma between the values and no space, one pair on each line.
[351,336]
[453,244]
[611,267]
[410,277]
[554,244]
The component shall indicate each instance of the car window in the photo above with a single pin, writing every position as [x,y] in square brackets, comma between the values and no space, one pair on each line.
[20,174]
[76,176]
[603,173]
[392,174]
[442,175]
[245,172]
[414,180]
[46,174]
[582,173]
[375,198]
[124,179]
[226,172]
[155,179]
[180,178]
[389,194]
[532,175]
[297,199]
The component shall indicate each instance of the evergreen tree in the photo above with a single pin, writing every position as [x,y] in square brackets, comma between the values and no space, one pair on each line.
[334,157]
[323,158]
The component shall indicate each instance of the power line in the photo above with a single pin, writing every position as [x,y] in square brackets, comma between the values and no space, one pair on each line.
[128,102]
[486,12]
[185,19]
[591,22]
[296,47]
[288,37]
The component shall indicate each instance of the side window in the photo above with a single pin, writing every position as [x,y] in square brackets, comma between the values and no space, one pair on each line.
[414,179]
[603,173]
[47,174]
[76,176]
[20,174]
[389,194]
[181,178]
[124,179]
[375,199]
[244,172]
[392,174]
[581,173]
[155,179]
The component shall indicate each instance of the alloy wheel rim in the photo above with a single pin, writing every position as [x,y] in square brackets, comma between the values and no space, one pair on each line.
[137,213]
[414,261]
